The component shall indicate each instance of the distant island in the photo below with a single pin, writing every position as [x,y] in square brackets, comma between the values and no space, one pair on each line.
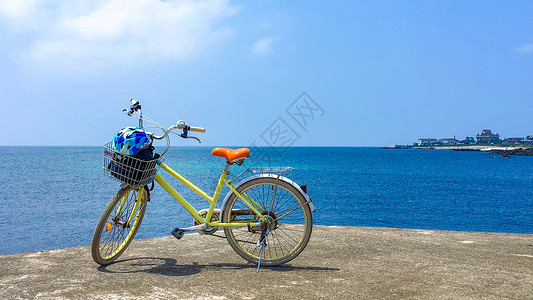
[486,141]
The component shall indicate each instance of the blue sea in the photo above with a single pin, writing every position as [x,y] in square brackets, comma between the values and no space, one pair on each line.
[52,197]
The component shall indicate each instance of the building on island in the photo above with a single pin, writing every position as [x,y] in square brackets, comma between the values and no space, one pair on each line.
[448,141]
[468,140]
[426,142]
[487,137]
[513,140]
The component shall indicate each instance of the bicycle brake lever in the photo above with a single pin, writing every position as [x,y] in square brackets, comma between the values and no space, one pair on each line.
[193,137]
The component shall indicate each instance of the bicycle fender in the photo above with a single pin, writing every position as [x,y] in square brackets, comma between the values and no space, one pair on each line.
[275,176]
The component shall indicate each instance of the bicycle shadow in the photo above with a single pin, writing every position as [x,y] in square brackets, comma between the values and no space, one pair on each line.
[170,267]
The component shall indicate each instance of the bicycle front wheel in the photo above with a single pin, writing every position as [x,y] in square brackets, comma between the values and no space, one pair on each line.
[118,224]
[290,221]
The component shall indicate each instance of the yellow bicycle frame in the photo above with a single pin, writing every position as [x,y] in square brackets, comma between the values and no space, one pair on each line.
[256,208]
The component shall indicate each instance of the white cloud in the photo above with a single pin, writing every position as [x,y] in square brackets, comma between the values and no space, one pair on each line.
[525,49]
[17,9]
[264,45]
[118,31]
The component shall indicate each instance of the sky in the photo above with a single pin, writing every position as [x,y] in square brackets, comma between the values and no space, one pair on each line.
[278,73]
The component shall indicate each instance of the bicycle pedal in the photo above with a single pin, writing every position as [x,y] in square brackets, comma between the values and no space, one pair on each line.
[178,233]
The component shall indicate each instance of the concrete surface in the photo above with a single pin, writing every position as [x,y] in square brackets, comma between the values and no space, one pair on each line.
[338,263]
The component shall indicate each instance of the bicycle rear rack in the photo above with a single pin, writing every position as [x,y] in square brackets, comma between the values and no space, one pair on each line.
[265,170]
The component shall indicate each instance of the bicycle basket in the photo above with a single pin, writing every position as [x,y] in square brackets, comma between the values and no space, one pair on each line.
[131,170]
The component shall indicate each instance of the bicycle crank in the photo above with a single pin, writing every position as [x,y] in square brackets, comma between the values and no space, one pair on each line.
[214,218]
[179,233]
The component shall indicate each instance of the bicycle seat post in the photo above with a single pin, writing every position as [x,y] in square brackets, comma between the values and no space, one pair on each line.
[226,168]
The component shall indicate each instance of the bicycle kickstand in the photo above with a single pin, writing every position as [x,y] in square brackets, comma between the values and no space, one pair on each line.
[262,243]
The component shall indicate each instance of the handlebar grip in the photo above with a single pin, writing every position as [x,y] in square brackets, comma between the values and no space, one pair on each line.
[197,129]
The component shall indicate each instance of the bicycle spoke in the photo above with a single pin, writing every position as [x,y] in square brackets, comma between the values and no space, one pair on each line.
[287,194]
[295,206]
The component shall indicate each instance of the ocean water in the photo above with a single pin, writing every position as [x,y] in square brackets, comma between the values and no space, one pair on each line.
[52,197]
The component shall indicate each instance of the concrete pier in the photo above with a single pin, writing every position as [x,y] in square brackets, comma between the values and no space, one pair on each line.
[338,263]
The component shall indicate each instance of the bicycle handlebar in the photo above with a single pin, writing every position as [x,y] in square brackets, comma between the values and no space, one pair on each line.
[196,129]
[179,125]
[136,107]
[182,125]
[167,132]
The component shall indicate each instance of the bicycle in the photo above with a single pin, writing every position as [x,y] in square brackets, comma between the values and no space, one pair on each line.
[266,217]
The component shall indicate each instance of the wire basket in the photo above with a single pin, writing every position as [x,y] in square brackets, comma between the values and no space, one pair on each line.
[128,169]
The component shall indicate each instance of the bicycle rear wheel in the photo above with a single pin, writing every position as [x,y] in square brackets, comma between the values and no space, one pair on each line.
[118,224]
[290,218]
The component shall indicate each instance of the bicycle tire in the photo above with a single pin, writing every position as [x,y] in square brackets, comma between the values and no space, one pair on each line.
[289,233]
[114,233]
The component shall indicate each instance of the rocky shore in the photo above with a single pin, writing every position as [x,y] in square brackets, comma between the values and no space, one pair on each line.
[500,150]
[518,151]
